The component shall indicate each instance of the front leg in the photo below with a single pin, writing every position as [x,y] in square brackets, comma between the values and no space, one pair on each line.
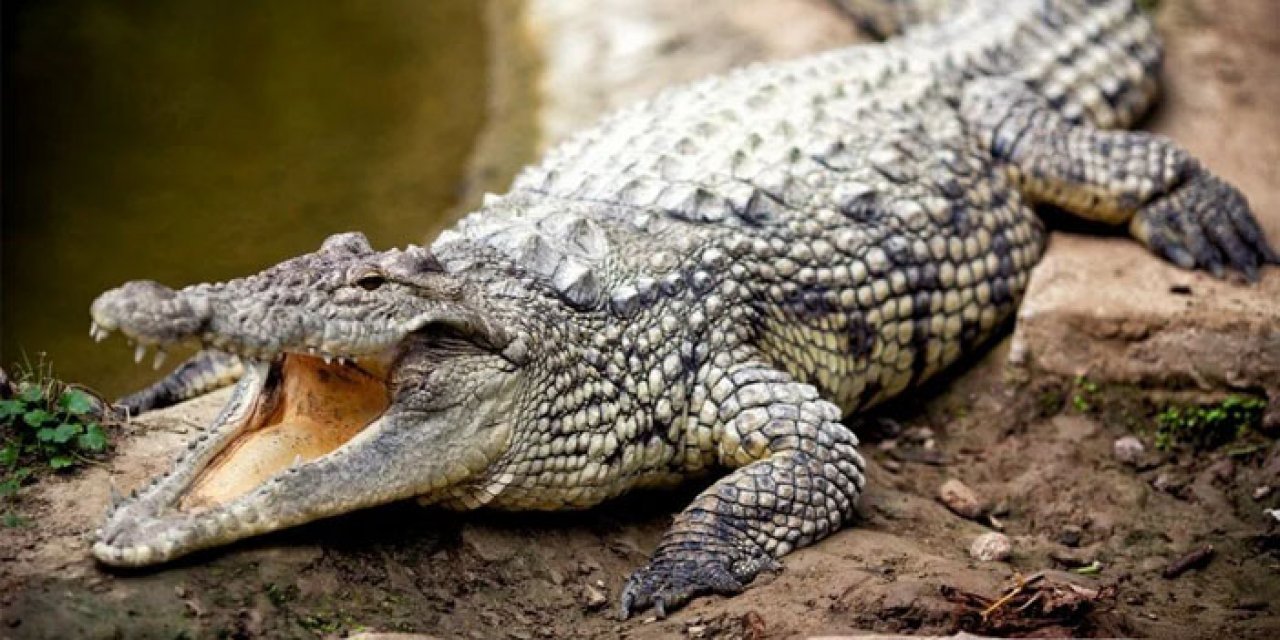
[205,372]
[798,477]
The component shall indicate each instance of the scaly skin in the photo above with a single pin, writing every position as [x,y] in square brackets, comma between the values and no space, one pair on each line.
[709,280]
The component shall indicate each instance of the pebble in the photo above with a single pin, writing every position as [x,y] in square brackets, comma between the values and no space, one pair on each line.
[1070,535]
[918,434]
[1261,492]
[1070,558]
[991,547]
[1128,450]
[1169,483]
[961,499]
[595,598]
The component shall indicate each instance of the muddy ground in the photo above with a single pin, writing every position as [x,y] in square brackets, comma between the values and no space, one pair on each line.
[1037,449]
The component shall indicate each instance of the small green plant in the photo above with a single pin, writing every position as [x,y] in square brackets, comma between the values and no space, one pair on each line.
[1083,398]
[46,424]
[1208,426]
[280,595]
[326,622]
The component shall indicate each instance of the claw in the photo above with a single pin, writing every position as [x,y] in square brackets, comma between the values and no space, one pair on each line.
[624,607]
[1250,273]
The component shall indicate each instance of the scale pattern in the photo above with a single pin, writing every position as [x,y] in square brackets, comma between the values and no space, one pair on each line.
[764,252]
[710,281]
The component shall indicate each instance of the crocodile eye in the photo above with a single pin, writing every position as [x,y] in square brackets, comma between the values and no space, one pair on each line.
[370,281]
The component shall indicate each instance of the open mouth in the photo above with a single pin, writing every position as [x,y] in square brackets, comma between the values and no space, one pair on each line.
[285,416]
[305,407]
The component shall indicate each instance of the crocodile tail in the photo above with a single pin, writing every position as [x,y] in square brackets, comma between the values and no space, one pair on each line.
[888,18]
[1095,61]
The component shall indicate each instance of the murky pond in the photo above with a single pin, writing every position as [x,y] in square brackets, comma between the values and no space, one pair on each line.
[199,140]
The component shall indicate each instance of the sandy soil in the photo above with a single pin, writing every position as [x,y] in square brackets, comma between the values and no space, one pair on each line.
[1040,459]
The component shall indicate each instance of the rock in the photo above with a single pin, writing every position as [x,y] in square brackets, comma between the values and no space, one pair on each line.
[594,597]
[1070,535]
[991,547]
[960,499]
[1261,492]
[1102,307]
[918,434]
[1071,558]
[1169,483]
[1128,450]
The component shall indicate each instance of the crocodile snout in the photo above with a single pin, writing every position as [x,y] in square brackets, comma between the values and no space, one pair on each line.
[149,312]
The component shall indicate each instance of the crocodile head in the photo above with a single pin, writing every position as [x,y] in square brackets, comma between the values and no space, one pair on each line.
[370,377]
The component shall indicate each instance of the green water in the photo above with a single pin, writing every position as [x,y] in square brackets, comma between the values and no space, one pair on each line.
[200,140]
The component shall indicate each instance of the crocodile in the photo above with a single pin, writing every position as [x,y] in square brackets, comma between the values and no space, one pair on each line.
[707,283]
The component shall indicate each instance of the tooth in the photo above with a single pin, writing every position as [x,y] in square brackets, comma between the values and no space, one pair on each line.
[138,352]
[297,460]
[159,360]
[328,359]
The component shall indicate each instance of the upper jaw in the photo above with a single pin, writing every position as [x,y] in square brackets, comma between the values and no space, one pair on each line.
[305,334]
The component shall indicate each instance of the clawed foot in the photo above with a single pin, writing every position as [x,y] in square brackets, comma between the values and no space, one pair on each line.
[1205,223]
[667,583]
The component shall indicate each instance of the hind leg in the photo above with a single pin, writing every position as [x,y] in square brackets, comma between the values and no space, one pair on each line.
[1169,201]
